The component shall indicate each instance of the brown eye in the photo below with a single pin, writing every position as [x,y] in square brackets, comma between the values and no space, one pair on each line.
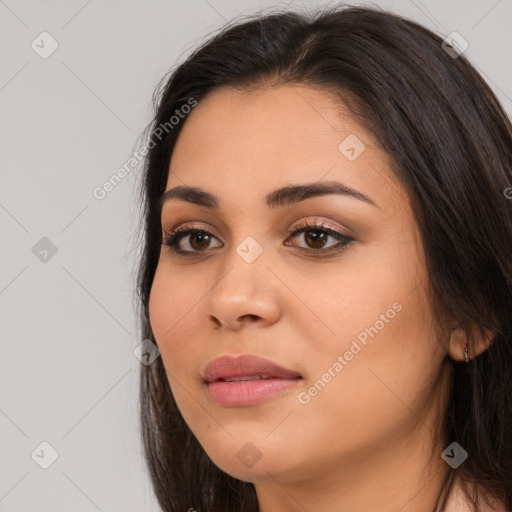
[198,240]
[316,236]
[316,239]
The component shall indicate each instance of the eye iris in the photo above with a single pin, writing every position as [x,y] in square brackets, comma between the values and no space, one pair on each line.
[318,239]
[203,238]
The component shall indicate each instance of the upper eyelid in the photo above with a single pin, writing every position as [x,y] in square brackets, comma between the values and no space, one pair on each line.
[302,224]
[337,225]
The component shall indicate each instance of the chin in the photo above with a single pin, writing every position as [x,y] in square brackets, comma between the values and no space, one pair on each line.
[251,461]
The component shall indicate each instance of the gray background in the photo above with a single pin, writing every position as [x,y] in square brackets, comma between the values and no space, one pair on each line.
[67,325]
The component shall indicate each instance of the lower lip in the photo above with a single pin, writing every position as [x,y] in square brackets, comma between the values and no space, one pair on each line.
[242,393]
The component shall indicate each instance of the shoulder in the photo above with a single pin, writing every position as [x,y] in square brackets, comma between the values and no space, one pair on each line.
[457,501]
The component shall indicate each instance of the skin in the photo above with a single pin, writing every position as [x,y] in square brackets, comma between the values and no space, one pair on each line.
[365,441]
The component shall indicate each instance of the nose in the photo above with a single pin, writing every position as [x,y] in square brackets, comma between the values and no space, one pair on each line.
[246,293]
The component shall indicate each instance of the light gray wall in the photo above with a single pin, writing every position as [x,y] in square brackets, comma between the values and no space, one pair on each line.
[68,375]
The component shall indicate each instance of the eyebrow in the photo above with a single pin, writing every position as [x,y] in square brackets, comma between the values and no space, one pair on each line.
[277,198]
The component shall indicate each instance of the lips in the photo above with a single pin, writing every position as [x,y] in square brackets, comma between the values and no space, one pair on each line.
[245,367]
[247,380]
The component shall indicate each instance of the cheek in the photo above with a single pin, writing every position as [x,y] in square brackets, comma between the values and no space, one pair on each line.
[173,308]
[365,294]
[387,369]
[378,319]
[162,306]
[171,315]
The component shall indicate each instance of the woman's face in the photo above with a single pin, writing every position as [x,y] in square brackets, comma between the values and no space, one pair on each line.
[352,321]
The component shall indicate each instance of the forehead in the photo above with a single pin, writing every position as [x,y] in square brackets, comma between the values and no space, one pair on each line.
[241,144]
[284,121]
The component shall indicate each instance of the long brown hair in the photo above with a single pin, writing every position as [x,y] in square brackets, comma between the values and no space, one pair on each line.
[450,143]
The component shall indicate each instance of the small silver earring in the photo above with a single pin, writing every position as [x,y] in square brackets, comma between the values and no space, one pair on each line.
[466,353]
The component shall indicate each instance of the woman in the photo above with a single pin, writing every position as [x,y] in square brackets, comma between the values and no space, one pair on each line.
[326,273]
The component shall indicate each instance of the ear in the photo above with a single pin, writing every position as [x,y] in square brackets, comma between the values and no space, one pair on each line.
[477,338]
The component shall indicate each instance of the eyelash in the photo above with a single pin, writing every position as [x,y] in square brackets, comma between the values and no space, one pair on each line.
[172,241]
